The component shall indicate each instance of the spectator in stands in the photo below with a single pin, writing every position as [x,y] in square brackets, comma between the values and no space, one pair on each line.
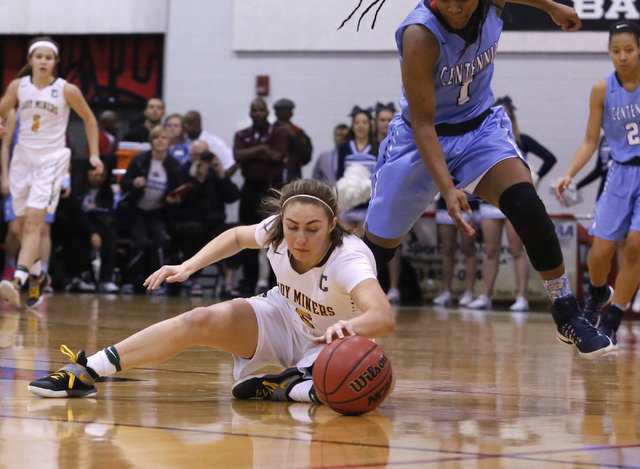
[178,146]
[326,166]
[493,222]
[193,130]
[146,190]
[356,157]
[448,236]
[383,115]
[92,240]
[260,151]
[299,147]
[153,113]
[108,129]
[200,216]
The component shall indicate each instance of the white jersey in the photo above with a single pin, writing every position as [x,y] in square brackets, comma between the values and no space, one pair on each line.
[320,296]
[44,114]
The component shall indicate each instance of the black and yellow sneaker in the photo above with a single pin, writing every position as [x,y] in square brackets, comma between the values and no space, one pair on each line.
[73,380]
[36,289]
[10,290]
[268,387]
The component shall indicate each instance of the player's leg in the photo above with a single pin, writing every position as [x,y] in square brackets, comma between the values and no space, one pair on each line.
[627,282]
[508,185]
[521,268]
[599,292]
[492,236]
[230,326]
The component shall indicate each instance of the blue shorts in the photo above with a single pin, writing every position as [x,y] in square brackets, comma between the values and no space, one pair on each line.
[9,214]
[401,186]
[618,208]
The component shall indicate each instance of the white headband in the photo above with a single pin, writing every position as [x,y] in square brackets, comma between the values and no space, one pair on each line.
[45,43]
[311,197]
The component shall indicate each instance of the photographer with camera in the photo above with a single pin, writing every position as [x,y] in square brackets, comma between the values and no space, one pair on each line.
[201,214]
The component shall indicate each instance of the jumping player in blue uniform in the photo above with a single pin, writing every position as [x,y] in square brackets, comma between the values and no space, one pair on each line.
[614,106]
[449,138]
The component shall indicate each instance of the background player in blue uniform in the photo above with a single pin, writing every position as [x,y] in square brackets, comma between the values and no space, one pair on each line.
[614,106]
[449,139]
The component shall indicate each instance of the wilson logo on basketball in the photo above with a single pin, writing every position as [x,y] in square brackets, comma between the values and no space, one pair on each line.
[361,382]
[381,393]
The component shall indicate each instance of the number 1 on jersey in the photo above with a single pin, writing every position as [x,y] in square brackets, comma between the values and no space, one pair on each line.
[36,123]
[463,97]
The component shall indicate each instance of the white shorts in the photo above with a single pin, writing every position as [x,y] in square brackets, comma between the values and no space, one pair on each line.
[36,177]
[282,341]
[491,212]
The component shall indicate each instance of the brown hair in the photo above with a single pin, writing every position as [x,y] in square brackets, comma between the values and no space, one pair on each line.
[156,131]
[313,188]
[26,69]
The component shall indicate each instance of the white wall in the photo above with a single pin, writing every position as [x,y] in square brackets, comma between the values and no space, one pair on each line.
[82,16]
[204,72]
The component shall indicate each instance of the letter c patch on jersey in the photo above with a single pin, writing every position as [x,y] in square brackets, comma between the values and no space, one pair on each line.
[306,317]
[322,279]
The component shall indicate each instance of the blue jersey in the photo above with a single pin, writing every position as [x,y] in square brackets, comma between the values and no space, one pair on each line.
[621,120]
[462,83]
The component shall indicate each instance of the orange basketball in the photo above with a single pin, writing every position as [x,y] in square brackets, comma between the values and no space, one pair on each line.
[352,375]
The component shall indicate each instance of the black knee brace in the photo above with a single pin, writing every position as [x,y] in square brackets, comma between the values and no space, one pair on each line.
[382,255]
[526,212]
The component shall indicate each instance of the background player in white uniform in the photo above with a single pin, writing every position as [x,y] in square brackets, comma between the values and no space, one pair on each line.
[613,105]
[327,288]
[40,158]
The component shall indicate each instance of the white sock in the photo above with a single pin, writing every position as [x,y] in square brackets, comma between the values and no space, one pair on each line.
[99,362]
[300,392]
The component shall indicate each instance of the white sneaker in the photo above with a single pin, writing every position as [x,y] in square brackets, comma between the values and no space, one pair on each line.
[393,295]
[108,287]
[635,307]
[482,302]
[521,304]
[466,298]
[443,299]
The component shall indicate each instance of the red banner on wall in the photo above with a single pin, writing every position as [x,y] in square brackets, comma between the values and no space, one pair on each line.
[108,69]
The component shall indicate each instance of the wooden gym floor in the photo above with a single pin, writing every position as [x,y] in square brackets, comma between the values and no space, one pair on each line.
[473,390]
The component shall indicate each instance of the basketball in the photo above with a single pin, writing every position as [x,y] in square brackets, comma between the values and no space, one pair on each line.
[352,375]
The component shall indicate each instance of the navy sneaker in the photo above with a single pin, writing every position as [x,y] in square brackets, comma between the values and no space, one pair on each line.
[610,322]
[573,329]
[268,387]
[595,304]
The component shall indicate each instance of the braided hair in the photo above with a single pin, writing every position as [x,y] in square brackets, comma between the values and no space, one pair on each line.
[364,13]
[477,20]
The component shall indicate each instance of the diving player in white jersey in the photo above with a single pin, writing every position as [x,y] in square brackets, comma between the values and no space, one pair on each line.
[448,138]
[327,288]
[40,158]
[614,107]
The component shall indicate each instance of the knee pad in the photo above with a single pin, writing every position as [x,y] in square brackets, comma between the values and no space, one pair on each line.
[526,212]
[382,255]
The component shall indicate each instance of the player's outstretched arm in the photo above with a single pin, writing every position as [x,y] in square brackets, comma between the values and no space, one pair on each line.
[563,15]
[221,247]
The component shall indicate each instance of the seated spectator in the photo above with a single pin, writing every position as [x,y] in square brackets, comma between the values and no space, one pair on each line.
[153,113]
[299,147]
[109,126]
[178,146]
[93,241]
[326,166]
[146,191]
[200,215]
[193,131]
